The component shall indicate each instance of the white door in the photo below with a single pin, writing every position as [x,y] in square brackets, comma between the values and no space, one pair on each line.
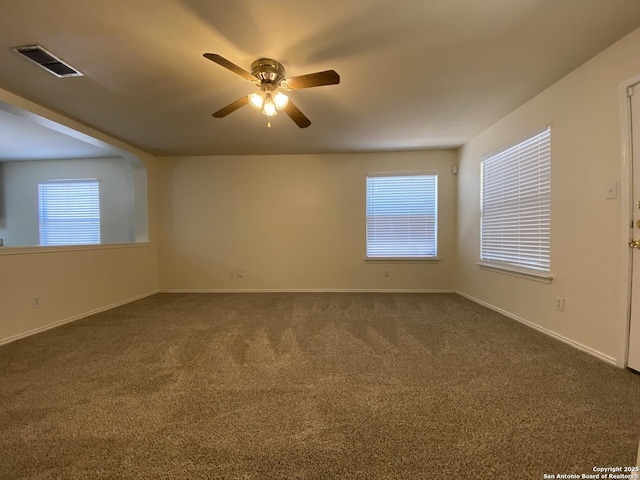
[634,333]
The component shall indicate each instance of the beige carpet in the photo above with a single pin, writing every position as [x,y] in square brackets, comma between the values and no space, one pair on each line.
[301,385]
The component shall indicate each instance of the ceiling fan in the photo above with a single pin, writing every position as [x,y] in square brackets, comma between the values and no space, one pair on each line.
[268,74]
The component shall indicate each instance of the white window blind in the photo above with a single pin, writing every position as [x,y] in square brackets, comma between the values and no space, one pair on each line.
[516,206]
[69,212]
[402,216]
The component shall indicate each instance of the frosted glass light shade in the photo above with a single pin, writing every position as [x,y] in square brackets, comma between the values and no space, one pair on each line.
[256,100]
[281,100]
[269,108]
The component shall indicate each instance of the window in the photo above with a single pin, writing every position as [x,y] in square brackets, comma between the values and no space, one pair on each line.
[402,216]
[69,212]
[516,207]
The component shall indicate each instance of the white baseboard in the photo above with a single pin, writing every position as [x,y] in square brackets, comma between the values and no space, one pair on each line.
[74,318]
[568,341]
[300,290]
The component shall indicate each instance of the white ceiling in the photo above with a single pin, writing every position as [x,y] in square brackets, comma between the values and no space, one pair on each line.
[22,139]
[414,74]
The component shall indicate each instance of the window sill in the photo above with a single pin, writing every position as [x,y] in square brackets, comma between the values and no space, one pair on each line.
[68,248]
[517,272]
[402,260]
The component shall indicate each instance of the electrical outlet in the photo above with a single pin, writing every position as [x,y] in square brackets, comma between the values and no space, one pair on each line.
[560,304]
[386,274]
[35,302]
[240,273]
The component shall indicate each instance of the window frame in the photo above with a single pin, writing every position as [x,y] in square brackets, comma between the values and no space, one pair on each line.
[94,182]
[406,259]
[513,268]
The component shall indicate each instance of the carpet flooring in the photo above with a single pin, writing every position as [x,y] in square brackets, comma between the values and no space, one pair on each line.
[308,386]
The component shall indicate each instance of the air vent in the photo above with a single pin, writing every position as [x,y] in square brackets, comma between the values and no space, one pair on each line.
[48,61]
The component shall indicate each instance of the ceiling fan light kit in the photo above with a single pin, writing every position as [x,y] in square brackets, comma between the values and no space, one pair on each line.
[268,99]
[269,75]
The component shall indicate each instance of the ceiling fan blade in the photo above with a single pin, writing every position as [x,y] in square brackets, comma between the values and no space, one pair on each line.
[318,79]
[223,62]
[296,115]
[232,107]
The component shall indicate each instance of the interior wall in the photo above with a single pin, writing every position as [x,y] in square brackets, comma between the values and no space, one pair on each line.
[70,284]
[291,222]
[587,240]
[117,215]
[70,281]
[3,213]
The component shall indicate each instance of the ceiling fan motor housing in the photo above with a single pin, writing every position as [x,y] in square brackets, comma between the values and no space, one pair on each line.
[268,70]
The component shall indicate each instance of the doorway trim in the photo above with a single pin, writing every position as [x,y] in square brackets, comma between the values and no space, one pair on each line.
[626,211]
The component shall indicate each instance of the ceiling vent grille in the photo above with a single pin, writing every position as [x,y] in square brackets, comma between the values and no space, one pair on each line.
[48,61]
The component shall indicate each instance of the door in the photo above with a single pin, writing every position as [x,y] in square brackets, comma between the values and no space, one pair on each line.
[633,360]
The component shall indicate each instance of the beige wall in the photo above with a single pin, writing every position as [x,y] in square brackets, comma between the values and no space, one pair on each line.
[20,196]
[289,222]
[587,240]
[3,203]
[74,282]
[70,284]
